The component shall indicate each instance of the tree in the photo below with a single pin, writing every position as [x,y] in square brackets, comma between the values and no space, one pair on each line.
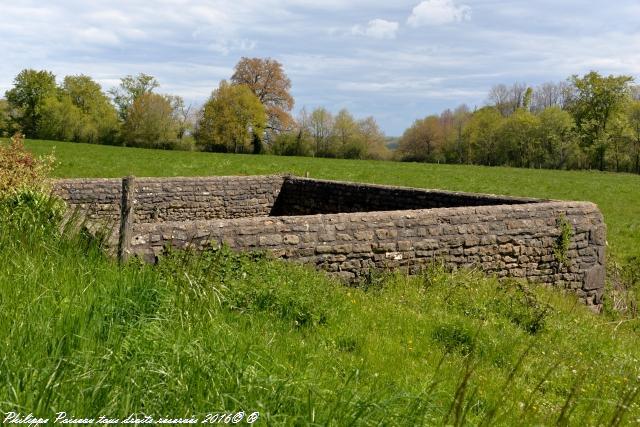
[518,140]
[372,139]
[267,80]
[99,121]
[499,97]
[130,88]
[597,100]
[528,98]
[320,124]
[183,115]
[619,136]
[232,120]
[551,95]
[346,136]
[507,100]
[423,141]
[150,122]
[481,135]
[4,118]
[457,147]
[633,116]
[558,139]
[30,90]
[60,120]
[292,143]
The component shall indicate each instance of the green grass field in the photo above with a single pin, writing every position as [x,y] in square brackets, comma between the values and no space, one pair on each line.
[223,332]
[617,195]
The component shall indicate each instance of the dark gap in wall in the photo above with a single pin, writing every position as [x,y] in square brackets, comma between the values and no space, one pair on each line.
[311,197]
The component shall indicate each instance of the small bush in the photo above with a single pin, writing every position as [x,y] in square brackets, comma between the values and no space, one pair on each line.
[22,170]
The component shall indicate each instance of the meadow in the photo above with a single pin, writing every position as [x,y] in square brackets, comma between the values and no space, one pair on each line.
[224,332]
[616,194]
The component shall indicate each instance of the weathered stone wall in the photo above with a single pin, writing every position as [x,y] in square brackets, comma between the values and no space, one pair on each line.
[98,199]
[174,199]
[510,241]
[348,229]
[300,196]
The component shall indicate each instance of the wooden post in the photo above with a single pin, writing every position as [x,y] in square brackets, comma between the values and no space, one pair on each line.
[126,218]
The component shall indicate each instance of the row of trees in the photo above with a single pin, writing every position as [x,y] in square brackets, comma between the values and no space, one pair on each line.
[591,121]
[587,122]
[78,110]
[322,134]
[251,113]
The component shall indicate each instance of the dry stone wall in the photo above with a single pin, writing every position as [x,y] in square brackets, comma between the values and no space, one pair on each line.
[174,199]
[316,222]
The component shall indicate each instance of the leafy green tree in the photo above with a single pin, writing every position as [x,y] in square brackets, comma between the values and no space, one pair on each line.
[60,119]
[481,135]
[633,117]
[266,78]
[620,137]
[30,90]
[558,139]
[320,125]
[150,122]
[372,139]
[518,141]
[99,123]
[346,134]
[232,120]
[596,101]
[423,141]
[5,118]
[455,149]
[130,88]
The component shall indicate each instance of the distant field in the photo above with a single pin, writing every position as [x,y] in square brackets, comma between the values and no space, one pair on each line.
[617,195]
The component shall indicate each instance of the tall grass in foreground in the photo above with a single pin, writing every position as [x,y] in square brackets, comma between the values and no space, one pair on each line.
[219,331]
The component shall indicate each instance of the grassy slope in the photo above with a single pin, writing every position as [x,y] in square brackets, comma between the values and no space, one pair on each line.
[617,195]
[217,332]
[224,332]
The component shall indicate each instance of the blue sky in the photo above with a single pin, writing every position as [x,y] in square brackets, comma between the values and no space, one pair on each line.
[395,60]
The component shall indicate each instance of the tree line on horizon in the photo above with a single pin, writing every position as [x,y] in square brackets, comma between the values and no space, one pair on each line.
[588,122]
[585,122]
[250,113]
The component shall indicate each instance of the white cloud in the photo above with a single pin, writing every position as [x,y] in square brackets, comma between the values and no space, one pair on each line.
[374,68]
[377,29]
[98,36]
[438,12]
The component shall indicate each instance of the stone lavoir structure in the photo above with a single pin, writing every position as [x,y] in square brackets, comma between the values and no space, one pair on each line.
[347,229]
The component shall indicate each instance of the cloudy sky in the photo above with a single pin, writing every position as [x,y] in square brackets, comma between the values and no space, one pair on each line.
[396,60]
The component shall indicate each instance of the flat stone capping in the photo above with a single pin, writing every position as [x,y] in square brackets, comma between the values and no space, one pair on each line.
[348,229]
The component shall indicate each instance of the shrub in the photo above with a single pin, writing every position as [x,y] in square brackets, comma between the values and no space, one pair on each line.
[21,170]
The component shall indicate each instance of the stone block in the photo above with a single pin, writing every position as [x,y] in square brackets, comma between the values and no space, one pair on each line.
[271,240]
[594,278]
